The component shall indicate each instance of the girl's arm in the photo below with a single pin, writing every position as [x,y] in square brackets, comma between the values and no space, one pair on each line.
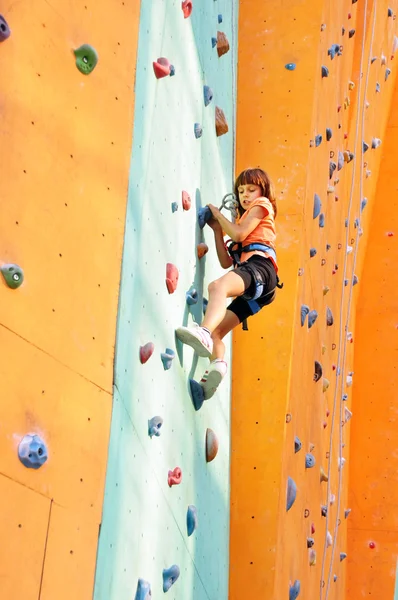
[223,256]
[239,231]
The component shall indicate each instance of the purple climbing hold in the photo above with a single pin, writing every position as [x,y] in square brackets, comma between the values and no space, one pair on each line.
[4,29]
[192,519]
[318,371]
[312,317]
[343,555]
[354,280]
[340,161]
[378,88]
[346,223]
[309,460]
[329,134]
[154,426]
[317,206]
[387,74]
[347,512]
[365,147]
[197,394]
[294,590]
[356,223]
[318,140]
[167,358]
[170,576]
[328,246]
[324,510]
[310,542]
[329,317]
[290,493]
[303,313]
[332,168]
[207,95]
[191,297]
[351,33]
[312,252]
[198,130]
[297,445]
[389,13]
[143,590]
[325,71]
[321,220]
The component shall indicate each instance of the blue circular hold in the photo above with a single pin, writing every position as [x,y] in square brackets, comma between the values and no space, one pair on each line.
[290,66]
[32,451]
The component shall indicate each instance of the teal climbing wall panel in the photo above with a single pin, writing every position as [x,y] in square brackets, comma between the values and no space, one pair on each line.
[143,527]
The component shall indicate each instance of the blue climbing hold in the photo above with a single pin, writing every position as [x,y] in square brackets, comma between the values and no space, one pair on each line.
[291,493]
[321,220]
[309,460]
[343,555]
[219,18]
[198,130]
[191,297]
[192,519]
[318,139]
[303,313]
[32,451]
[290,66]
[364,203]
[207,94]
[387,74]
[312,252]
[154,426]
[197,394]
[365,147]
[333,50]
[213,42]
[354,280]
[4,29]
[167,358]
[294,590]
[174,207]
[204,216]
[325,71]
[143,590]
[170,576]
[297,444]
[205,303]
[312,317]
[317,206]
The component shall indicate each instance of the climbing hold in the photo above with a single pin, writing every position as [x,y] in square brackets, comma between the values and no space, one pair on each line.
[312,317]
[317,206]
[349,380]
[288,417]
[389,13]
[219,18]
[86,59]
[343,555]
[321,220]
[174,207]
[333,50]
[348,414]
[340,161]
[387,74]
[373,59]
[186,201]
[310,542]
[13,275]
[395,44]
[192,519]
[378,88]
[304,312]
[318,371]
[323,476]
[213,42]
[32,451]
[191,297]
[4,29]
[365,147]
[354,280]
[202,249]
[326,289]
[211,445]
[376,143]
[163,68]
[306,513]
[324,510]
[154,426]
[291,493]
[309,460]
[300,272]
[174,477]
[329,317]
[204,216]
[198,130]
[197,394]
[323,262]
[347,512]
[171,278]
[318,139]
[348,156]
[332,168]
[143,590]
[294,590]
[383,60]
[323,26]
[312,252]
[290,66]
[351,85]
[221,122]
[329,134]
[329,539]
[297,444]
[186,8]
[312,555]
[170,576]
[356,223]
[146,352]
[326,384]
[332,498]
[351,33]
[325,71]
[207,94]
[167,358]
[222,43]
[205,303]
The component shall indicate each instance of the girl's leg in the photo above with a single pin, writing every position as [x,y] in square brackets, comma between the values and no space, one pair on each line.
[228,286]
[229,322]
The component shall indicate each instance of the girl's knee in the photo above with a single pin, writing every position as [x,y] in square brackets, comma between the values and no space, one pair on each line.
[215,286]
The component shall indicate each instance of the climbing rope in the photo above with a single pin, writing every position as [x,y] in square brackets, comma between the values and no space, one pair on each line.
[234,84]
[340,372]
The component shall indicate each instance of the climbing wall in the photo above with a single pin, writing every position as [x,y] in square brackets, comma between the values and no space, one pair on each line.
[321,82]
[65,143]
[178,165]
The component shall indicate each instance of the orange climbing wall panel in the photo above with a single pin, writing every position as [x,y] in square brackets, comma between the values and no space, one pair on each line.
[373,489]
[65,155]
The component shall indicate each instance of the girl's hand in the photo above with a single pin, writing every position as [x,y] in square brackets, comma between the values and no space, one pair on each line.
[213,223]
[214,211]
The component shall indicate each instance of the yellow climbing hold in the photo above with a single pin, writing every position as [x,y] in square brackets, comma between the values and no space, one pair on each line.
[326,384]
[323,475]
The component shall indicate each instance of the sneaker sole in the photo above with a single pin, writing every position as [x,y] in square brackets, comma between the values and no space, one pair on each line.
[213,381]
[187,338]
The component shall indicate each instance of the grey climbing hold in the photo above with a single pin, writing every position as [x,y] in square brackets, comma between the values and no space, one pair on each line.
[13,275]
[324,510]
[354,280]
[297,445]
[290,66]
[312,317]
[192,519]
[373,59]
[318,139]
[347,512]
[378,88]
[351,33]
[334,50]
[376,143]
[343,555]
[174,207]
[191,297]
[294,590]
[365,147]
[389,13]
[325,71]
[317,206]
[309,460]
[170,576]
[154,426]
[328,246]
[364,203]
[32,451]
[329,317]
[167,358]
[198,130]
[318,371]
[335,578]
[387,74]
[207,95]
[346,223]
[345,397]
[346,282]
[303,313]
[310,542]
[332,168]
[4,29]
[340,161]
[356,223]
[329,134]
[321,220]
[143,590]
[291,493]
[312,252]
[197,394]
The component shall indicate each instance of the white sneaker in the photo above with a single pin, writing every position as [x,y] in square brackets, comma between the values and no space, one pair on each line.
[197,338]
[213,377]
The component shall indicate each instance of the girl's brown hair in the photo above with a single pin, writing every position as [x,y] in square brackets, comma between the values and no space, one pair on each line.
[260,178]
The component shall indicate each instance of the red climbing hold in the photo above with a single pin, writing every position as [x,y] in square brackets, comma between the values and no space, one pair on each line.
[202,249]
[171,277]
[186,8]
[146,352]
[174,477]
[186,201]
[162,68]
[372,545]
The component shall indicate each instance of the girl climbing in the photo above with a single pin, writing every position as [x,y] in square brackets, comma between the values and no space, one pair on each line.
[251,282]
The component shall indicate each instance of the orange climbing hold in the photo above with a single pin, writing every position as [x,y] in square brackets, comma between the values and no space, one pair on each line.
[221,122]
[211,445]
[146,352]
[186,201]
[202,249]
[222,43]
[171,277]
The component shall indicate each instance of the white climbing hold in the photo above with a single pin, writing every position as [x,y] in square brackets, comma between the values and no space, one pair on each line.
[341,462]
[329,539]
[349,249]
[348,414]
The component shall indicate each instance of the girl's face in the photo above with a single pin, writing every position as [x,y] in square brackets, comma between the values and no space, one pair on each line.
[248,193]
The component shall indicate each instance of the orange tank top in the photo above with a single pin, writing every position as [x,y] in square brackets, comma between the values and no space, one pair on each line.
[265,232]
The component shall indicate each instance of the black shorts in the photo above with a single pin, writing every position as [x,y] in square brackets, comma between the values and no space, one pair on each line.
[246,308]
